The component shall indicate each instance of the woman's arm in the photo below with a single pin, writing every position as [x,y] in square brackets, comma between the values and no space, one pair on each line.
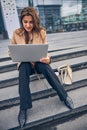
[13,41]
[46,59]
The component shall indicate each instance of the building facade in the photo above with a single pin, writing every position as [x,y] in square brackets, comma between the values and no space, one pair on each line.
[51,16]
[74,15]
[10,17]
[10,10]
[55,15]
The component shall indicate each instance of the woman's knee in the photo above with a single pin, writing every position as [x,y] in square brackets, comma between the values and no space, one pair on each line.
[42,67]
[25,66]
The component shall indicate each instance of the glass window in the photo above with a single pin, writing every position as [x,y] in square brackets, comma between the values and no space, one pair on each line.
[21,3]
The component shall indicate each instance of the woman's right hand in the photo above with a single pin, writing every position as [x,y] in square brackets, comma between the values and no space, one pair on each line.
[46,60]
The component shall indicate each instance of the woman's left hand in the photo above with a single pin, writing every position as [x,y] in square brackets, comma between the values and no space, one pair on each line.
[45,60]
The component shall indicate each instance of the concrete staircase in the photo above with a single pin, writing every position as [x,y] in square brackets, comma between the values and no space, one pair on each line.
[65,48]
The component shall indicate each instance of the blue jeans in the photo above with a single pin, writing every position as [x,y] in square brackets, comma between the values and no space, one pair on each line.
[25,70]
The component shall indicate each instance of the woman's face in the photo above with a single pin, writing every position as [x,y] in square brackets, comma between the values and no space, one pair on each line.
[27,23]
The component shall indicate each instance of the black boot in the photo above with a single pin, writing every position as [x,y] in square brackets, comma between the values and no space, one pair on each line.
[69,103]
[22,118]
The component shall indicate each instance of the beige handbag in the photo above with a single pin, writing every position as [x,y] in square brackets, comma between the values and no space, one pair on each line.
[65,74]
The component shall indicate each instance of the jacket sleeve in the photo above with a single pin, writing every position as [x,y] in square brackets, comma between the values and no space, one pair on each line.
[13,41]
[43,36]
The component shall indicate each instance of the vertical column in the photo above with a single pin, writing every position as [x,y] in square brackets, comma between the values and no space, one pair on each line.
[10,16]
[30,2]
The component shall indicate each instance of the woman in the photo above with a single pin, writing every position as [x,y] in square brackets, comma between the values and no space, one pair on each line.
[31,33]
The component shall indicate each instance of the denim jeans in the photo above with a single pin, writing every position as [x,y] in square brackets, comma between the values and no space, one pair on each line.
[25,70]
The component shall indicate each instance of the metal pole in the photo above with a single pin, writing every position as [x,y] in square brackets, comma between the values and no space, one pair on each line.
[44,12]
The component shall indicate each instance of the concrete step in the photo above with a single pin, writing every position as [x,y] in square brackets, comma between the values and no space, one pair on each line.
[68,35]
[56,56]
[65,48]
[10,77]
[12,99]
[40,89]
[52,48]
[51,52]
[69,55]
[8,65]
[45,111]
[72,50]
[60,40]
[71,41]
[8,60]
[78,122]
[75,63]
[58,36]
[71,38]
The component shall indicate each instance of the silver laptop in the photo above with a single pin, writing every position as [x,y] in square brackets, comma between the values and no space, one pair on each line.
[28,52]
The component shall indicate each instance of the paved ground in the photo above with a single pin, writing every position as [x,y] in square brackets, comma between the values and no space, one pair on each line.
[61,41]
[79,123]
